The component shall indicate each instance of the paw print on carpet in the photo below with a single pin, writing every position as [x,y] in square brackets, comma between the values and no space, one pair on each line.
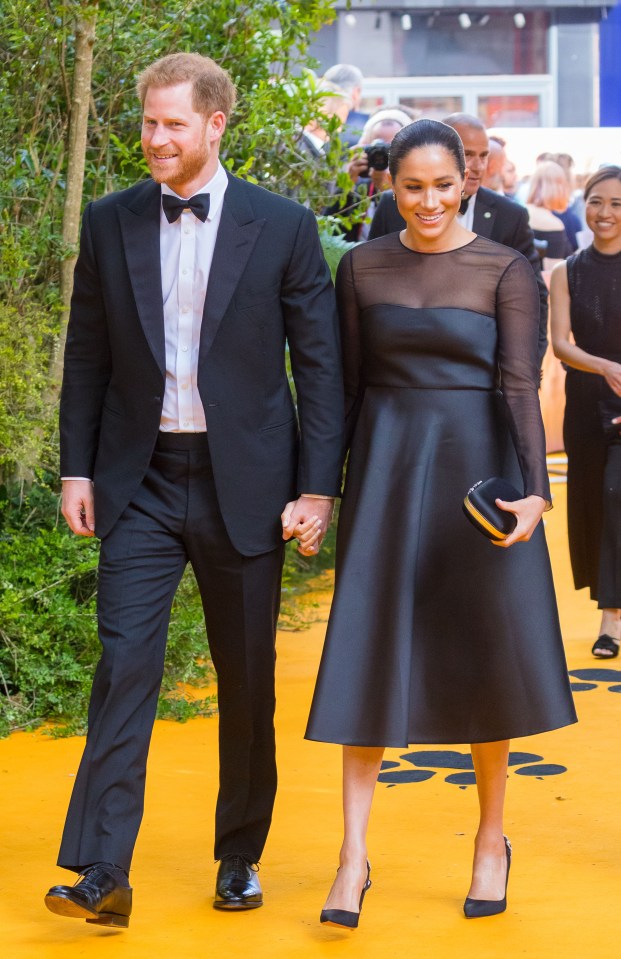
[589,679]
[396,773]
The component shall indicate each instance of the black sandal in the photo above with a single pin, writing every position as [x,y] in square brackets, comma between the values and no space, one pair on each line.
[605,647]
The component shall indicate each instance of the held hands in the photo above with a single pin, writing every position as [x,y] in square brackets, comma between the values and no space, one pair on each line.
[78,506]
[307,519]
[528,512]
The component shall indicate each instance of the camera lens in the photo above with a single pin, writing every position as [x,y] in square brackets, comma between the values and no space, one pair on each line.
[377,154]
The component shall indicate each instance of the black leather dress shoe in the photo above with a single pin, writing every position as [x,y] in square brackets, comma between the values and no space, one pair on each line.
[237,885]
[96,897]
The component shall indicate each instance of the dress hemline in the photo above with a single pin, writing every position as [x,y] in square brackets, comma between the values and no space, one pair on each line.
[428,741]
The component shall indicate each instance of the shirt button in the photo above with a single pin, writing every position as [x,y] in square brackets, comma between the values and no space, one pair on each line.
[186,230]
[184,349]
[186,309]
[185,423]
[184,386]
[185,272]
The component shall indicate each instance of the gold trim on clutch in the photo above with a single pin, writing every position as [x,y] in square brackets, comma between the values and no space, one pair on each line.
[485,523]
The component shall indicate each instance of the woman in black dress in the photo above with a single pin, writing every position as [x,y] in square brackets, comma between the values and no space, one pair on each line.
[436,635]
[586,304]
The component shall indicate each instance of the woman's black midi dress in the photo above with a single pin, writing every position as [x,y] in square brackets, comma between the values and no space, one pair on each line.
[435,634]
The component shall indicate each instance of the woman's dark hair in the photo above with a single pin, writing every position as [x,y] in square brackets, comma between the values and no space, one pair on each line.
[426,133]
[604,173]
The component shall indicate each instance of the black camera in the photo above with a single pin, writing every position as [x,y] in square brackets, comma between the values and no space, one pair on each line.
[377,154]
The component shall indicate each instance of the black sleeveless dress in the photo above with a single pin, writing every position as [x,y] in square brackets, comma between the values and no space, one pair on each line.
[593,460]
[435,634]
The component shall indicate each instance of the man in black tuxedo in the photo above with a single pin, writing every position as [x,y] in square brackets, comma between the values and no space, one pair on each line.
[482,211]
[180,441]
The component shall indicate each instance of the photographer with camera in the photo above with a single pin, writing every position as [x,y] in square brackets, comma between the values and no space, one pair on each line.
[368,166]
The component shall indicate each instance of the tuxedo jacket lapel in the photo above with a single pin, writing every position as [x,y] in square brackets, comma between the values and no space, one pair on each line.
[140,228]
[484,215]
[237,234]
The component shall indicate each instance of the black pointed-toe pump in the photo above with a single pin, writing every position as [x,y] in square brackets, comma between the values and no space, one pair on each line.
[478,908]
[343,917]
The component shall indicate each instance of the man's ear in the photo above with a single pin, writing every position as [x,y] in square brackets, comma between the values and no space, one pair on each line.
[216,125]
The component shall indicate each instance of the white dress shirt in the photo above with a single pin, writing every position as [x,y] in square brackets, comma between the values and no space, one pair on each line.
[466,219]
[186,252]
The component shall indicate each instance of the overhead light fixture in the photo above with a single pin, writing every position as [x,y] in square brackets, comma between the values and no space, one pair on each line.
[350,19]
[519,20]
[406,21]
[464,21]
[484,20]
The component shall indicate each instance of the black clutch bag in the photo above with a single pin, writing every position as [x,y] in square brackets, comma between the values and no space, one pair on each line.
[480,507]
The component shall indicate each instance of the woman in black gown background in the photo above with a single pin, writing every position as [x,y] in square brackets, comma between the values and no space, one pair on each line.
[585,295]
[435,634]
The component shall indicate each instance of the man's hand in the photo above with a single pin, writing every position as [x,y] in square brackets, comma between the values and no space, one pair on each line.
[79,506]
[307,519]
[358,166]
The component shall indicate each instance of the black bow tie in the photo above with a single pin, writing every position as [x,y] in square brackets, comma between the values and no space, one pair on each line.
[173,207]
[463,206]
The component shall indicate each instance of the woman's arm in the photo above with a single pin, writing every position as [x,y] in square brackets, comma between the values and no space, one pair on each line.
[351,347]
[563,347]
[517,320]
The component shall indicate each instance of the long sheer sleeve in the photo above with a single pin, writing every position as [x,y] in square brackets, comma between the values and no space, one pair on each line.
[517,316]
[351,347]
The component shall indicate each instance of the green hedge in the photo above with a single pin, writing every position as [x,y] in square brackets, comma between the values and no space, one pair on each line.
[48,631]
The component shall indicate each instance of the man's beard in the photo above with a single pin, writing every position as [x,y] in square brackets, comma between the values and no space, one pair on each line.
[187,167]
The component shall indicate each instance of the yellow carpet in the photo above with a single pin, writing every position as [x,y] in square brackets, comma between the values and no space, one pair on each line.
[565,889]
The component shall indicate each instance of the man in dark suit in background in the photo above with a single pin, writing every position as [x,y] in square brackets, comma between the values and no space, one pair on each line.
[482,211]
[180,442]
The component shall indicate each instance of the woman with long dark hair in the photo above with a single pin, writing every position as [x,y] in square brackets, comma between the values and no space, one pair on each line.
[436,635]
[585,294]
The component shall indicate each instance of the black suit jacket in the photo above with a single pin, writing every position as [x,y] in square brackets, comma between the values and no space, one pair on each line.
[268,285]
[495,217]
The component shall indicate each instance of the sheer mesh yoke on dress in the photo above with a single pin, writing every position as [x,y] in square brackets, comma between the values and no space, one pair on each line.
[482,277]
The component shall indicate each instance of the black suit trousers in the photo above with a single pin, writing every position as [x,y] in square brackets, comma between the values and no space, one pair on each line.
[175,518]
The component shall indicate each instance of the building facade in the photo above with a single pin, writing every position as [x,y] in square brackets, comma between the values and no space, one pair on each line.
[522,63]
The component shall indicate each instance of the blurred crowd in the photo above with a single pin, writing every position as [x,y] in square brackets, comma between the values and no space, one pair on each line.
[551,194]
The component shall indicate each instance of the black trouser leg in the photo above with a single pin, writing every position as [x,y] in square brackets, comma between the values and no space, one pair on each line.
[241,598]
[609,592]
[140,567]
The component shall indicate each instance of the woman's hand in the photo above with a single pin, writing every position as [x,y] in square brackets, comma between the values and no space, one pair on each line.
[612,374]
[528,512]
